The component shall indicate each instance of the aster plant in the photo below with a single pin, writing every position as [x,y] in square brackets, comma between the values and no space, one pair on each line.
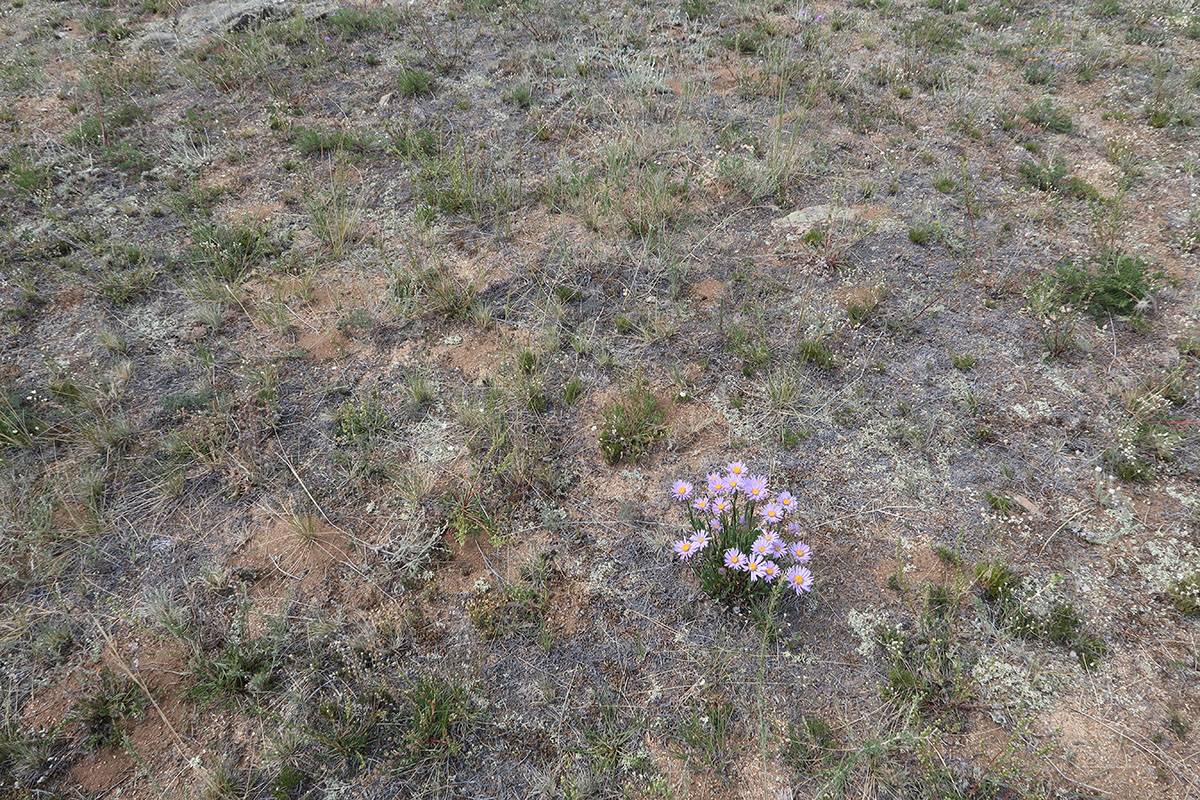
[743,541]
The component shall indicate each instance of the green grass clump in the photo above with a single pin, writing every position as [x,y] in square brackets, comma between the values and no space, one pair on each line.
[572,390]
[19,427]
[324,141]
[1185,595]
[129,272]
[1129,466]
[1111,283]
[608,737]
[500,612]
[809,744]
[24,174]
[934,34]
[416,83]
[188,401]
[458,181]
[998,582]
[414,144]
[926,671]
[27,758]
[98,129]
[702,738]
[1000,502]
[430,287]
[360,420]
[354,21]
[347,728]
[1105,9]
[946,555]
[962,361]
[1048,116]
[633,421]
[1051,176]
[922,234]
[995,16]
[521,96]
[106,706]
[440,714]
[242,668]
[1062,625]
[125,156]
[750,41]
[230,253]
[813,351]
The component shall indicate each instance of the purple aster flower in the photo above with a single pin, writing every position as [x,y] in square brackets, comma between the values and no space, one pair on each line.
[715,524]
[715,484]
[733,482]
[786,500]
[778,548]
[799,579]
[701,503]
[801,553]
[761,547]
[736,468]
[682,490]
[793,529]
[720,505]
[770,571]
[755,487]
[771,512]
[700,540]
[686,549]
[754,567]
[734,558]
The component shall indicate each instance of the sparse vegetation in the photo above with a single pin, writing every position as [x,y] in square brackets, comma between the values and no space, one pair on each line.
[347,352]
[103,710]
[1111,283]
[1185,594]
[632,422]
[361,419]
[1052,175]
[230,253]
[416,83]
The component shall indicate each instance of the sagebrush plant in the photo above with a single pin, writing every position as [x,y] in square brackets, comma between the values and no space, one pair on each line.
[738,530]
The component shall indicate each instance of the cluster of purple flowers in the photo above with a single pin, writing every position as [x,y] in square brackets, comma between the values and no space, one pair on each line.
[758,542]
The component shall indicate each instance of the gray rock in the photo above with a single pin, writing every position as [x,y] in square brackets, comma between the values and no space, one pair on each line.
[805,218]
[159,41]
[227,17]
[874,218]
